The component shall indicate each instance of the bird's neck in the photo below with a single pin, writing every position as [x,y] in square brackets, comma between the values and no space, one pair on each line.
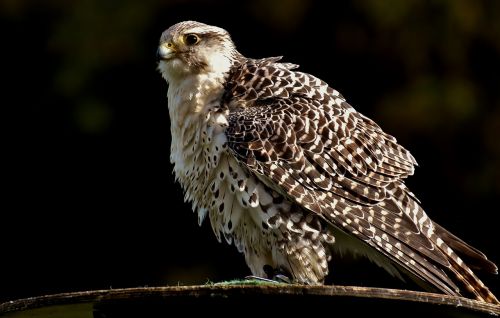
[190,100]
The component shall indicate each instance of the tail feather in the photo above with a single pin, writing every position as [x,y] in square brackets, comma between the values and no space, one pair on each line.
[474,258]
[472,283]
[464,274]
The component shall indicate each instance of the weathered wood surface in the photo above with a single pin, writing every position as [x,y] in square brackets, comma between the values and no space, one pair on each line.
[262,298]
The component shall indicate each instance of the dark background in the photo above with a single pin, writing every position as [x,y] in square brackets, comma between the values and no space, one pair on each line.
[88,198]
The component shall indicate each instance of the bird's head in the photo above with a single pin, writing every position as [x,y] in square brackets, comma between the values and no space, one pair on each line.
[190,47]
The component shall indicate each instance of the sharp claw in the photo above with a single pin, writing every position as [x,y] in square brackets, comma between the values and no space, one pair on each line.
[282,279]
[251,277]
[277,279]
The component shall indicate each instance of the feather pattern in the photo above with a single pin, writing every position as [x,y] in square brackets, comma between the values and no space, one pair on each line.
[282,165]
[293,131]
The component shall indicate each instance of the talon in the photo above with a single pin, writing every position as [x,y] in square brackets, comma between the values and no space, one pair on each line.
[282,278]
[252,277]
[277,275]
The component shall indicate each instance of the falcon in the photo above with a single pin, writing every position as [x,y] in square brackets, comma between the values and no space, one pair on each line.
[289,172]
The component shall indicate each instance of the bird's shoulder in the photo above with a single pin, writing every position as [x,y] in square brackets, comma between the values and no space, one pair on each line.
[280,117]
[254,81]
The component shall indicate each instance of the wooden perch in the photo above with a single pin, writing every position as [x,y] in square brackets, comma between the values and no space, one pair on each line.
[258,299]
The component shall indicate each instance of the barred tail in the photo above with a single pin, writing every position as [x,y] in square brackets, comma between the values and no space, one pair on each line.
[461,256]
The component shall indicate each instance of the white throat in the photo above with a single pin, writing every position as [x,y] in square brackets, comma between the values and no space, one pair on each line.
[193,95]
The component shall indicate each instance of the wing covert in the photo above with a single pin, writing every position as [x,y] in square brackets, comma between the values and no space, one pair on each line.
[302,138]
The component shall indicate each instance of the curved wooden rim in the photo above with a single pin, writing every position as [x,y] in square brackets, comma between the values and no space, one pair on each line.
[223,289]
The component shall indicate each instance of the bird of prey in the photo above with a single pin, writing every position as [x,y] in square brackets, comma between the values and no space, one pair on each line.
[289,172]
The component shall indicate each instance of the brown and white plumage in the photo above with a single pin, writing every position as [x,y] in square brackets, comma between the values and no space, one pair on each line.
[285,169]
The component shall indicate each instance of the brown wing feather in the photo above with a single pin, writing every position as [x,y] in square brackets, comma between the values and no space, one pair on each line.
[294,131]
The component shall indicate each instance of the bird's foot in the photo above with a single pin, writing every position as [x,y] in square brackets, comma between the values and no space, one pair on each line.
[276,276]
[282,279]
[261,279]
[278,279]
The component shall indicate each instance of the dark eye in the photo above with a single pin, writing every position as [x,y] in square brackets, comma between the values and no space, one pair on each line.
[191,39]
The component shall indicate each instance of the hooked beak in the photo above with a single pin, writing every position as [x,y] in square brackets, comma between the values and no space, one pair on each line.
[165,51]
